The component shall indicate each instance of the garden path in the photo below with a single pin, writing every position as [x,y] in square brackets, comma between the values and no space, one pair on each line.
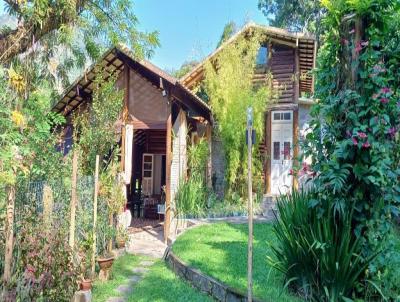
[137,274]
[148,242]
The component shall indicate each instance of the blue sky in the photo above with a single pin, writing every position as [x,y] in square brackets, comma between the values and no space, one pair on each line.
[190,29]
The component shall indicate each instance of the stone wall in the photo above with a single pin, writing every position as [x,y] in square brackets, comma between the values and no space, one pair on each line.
[204,283]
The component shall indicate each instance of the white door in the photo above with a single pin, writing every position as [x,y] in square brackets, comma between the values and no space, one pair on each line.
[147,174]
[281,151]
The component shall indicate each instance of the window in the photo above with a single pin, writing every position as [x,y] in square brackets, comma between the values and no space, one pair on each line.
[282,116]
[286,150]
[277,149]
[262,57]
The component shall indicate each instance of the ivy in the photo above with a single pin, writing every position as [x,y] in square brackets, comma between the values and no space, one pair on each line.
[354,142]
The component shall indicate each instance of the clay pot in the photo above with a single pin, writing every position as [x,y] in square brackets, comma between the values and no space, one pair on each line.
[105,263]
[86,284]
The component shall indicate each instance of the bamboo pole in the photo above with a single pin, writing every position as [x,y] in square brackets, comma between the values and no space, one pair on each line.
[250,206]
[96,192]
[73,199]
[9,244]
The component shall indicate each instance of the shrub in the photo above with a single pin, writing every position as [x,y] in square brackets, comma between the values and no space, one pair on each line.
[45,262]
[318,252]
[191,197]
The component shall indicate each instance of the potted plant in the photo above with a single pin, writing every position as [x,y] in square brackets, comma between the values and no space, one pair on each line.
[122,237]
[111,194]
[85,255]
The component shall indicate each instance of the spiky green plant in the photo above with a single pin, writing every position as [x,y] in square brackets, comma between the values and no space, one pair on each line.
[317,250]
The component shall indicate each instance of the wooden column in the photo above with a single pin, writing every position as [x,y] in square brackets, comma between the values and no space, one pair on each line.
[168,160]
[125,114]
[295,145]
[268,152]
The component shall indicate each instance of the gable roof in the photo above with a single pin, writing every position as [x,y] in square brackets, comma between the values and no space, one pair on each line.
[113,61]
[303,41]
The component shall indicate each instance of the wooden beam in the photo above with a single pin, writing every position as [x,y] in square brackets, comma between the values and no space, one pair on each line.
[168,161]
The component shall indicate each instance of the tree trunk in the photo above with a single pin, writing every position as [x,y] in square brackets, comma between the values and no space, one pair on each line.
[10,190]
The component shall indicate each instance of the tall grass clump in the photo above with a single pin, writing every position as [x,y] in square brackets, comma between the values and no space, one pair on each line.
[318,251]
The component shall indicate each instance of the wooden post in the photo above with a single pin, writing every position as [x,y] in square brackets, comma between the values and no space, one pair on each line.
[168,159]
[10,189]
[250,206]
[73,199]
[96,193]
[48,204]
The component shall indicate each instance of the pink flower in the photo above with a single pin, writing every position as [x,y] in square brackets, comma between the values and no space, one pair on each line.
[392,132]
[366,144]
[291,172]
[364,43]
[384,100]
[354,140]
[362,135]
[352,31]
[358,48]
[375,96]
[386,90]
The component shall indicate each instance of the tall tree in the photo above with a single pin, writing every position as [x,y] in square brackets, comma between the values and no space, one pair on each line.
[296,15]
[103,21]
[229,30]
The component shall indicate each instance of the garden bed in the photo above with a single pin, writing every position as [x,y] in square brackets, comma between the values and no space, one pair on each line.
[220,251]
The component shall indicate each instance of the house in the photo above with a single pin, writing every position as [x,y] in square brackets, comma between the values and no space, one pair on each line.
[159,113]
[289,58]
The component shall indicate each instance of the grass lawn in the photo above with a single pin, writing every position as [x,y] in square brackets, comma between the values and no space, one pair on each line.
[220,250]
[158,285]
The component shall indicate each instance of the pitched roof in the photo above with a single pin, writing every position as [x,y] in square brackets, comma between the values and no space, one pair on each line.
[113,62]
[303,41]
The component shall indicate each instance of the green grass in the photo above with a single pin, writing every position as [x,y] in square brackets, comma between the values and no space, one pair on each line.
[220,250]
[121,270]
[158,285]
[161,284]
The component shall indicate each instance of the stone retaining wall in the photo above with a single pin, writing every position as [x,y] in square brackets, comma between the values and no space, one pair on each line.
[204,283]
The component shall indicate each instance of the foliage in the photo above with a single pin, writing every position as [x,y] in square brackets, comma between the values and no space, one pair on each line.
[297,15]
[95,129]
[184,69]
[191,197]
[320,256]
[228,84]
[230,29]
[45,262]
[354,142]
[75,27]
[219,250]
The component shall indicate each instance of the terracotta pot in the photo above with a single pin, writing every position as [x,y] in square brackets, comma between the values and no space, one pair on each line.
[105,263]
[86,284]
